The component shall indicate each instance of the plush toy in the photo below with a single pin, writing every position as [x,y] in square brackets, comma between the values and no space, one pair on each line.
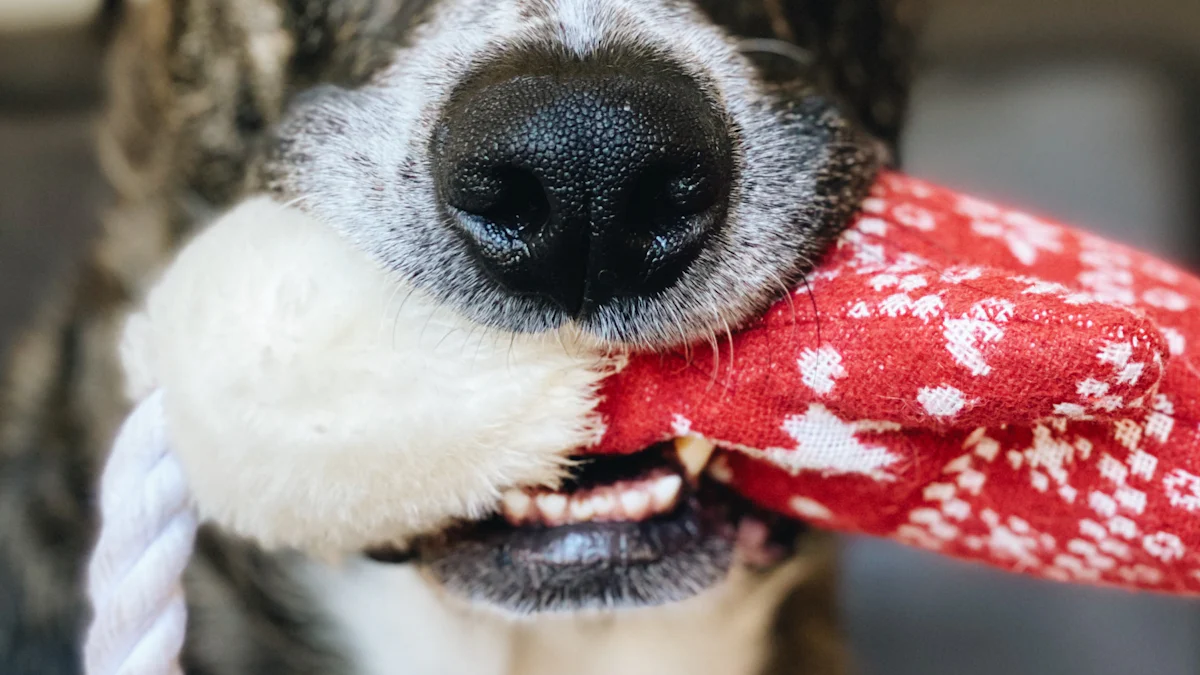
[965,378]
[954,375]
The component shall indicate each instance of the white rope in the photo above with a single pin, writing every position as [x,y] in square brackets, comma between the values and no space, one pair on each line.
[135,578]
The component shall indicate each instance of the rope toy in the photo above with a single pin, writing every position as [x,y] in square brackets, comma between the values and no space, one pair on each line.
[964,378]
[135,578]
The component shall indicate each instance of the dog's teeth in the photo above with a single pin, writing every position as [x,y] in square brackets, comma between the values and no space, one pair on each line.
[635,503]
[665,491]
[719,470]
[553,508]
[694,453]
[604,505]
[516,506]
[582,509]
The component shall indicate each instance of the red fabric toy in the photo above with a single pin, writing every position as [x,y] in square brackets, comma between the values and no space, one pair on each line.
[964,378]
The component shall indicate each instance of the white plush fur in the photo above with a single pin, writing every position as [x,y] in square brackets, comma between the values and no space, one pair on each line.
[317,403]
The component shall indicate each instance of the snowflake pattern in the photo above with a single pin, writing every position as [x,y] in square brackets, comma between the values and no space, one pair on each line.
[974,381]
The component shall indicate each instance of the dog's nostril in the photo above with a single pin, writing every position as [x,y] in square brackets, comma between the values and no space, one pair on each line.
[513,199]
[584,184]
[664,193]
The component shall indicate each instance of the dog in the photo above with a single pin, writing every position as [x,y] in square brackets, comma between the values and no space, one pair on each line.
[649,173]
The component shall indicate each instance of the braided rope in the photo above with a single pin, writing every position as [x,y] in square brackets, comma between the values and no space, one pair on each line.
[135,578]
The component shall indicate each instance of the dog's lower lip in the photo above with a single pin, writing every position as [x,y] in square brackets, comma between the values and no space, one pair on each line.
[565,546]
[677,537]
[585,566]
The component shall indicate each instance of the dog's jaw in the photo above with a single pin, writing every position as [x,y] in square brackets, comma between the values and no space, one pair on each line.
[393,621]
[317,403]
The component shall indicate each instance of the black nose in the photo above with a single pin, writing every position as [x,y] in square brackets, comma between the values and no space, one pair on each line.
[581,187]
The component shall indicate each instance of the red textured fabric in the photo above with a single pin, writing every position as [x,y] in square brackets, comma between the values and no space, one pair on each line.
[964,378]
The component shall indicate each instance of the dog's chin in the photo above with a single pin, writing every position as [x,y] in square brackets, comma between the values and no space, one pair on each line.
[625,532]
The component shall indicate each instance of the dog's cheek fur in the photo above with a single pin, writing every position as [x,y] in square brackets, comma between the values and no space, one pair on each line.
[360,159]
[318,404]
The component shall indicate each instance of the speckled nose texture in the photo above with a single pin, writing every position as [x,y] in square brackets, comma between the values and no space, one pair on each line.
[584,184]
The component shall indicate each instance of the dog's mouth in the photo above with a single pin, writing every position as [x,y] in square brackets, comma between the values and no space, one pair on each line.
[623,531]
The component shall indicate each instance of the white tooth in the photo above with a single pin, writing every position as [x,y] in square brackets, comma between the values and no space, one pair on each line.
[694,453]
[720,471]
[581,509]
[635,502]
[553,507]
[665,491]
[604,505]
[516,505]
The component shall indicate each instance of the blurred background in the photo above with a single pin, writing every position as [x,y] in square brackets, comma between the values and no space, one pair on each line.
[1086,110]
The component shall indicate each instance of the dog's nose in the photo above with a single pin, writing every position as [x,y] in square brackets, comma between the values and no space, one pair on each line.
[584,187]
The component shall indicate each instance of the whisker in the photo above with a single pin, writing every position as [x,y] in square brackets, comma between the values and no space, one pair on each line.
[428,320]
[445,337]
[467,340]
[816,311]
[688,354]
[729,337]
[728,331]
[716,350]
[678,320]
[787,50]
[388,303]
[295,200]
[787,297]
[479,346]
[399,312]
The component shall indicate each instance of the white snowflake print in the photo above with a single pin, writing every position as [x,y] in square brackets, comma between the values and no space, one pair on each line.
[1165,298]
[1183,490]
[911,215]
[901,304]
[873,226]
[1118,355]
[1162,272]
[958,274]
[819,368]
[982,325]
[1106,276]
[1161,422]
[830,446]
[1176,343]
[680,426]
[1013,539]
[1036,286]
[1164,546]
[944,401]
[1024,235]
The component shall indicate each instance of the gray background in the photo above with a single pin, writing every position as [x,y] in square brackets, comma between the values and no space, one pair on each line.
[1084,109]
[1090,111]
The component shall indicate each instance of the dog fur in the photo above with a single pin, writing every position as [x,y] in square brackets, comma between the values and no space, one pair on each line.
[212,101]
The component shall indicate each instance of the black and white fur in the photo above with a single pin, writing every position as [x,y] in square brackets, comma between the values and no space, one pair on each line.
[329,104]
[360,159]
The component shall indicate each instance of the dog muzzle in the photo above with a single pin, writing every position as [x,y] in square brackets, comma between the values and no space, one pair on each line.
[954,375]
